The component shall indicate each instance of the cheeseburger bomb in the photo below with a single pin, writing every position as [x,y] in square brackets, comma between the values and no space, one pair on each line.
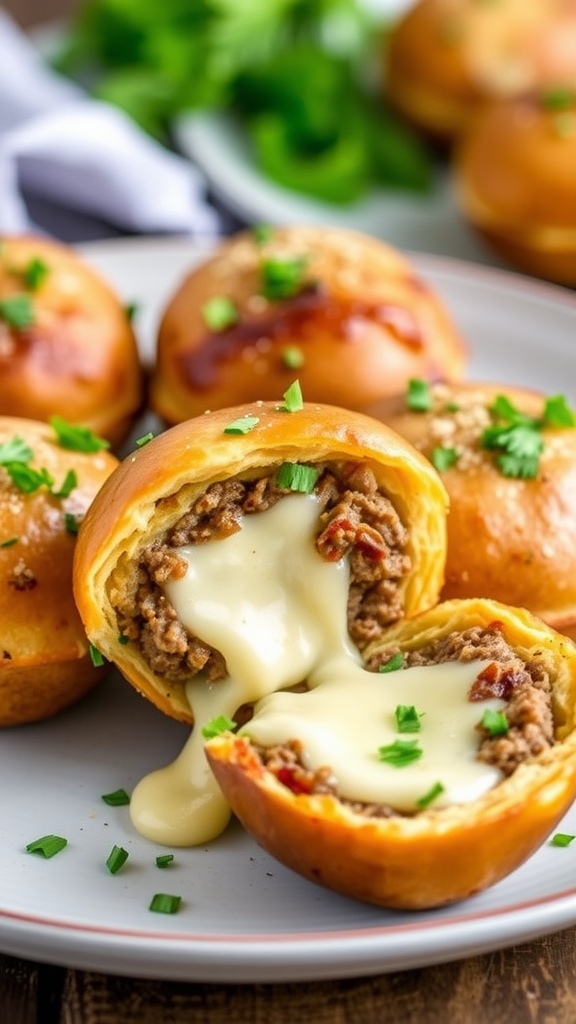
[48,478]
[345,313]
[444,58]
[66,344]
[511,524]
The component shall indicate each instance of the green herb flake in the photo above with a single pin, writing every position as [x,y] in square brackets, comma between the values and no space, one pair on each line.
[118,798]
[75,437]
[292,357]
[293,476]
[9,543]
[27,479]
[69,484]
[400,753]
[444,458]
[14,450]
[116,859]
[71,523]
[47,846]
[293,400]
[131,309]
[393,663]
[517,438]
[408,719]
[557,412]
[495,722]
[17,311]
[216,726]
[219,313]
[562,839]
[282,278]
[262,233]
[35,273]
[558,98]
[123,640]
[141,442]
[519,448]
[243,425]
[96,657]
[419,395]
[432,794]
[164,860]
[165,903]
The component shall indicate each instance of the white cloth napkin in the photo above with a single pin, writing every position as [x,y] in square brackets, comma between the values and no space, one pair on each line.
[61,146]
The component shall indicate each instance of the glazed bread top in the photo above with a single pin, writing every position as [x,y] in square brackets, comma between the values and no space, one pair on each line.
[345,312]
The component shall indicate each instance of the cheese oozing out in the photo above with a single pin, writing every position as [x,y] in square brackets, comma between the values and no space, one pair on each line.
[277,611]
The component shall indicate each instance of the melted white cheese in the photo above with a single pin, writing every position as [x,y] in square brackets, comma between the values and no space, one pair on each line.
[277,611]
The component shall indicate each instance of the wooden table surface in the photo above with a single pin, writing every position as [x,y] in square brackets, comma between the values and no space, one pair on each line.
[531,983]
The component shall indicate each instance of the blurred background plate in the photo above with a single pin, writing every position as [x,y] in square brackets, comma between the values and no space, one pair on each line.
[429,223]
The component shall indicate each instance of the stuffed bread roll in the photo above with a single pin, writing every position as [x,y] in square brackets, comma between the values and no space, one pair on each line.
[231,555]
[507,457]
[450,766]
[49,474]
[346,312]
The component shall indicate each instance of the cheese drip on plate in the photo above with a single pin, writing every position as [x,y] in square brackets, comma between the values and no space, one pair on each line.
[277,611]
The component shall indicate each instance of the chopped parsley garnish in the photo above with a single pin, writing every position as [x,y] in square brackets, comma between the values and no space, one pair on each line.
[14,450]
[17,311]
[292,357]
[293,401]
[96,656]
[165,903]
[282,278]
[144,440]
[243,425]
[262,233]
[219,313]
[163,860]
[433,793]
[9,543]
[562,839]
[47,846]
[400,753]
[408,719]
[69,483]
[71,523]
[27,479]
[123,640]
[518,438]
[75,437]
[444,458]
[118,798]
[116,859]
[393,663]
[559,98]
[293,476]
[130,309]
[557,412]
[35,273]
[217,725]
[419,395]
[495,722]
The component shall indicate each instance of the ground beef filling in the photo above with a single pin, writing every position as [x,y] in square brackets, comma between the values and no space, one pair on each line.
[525,686]
[356,520]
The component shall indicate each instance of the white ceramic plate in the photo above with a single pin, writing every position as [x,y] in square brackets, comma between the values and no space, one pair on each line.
[243,916]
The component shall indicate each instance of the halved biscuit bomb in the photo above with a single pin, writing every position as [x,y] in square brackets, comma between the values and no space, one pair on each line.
[427,783]
[235,554]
